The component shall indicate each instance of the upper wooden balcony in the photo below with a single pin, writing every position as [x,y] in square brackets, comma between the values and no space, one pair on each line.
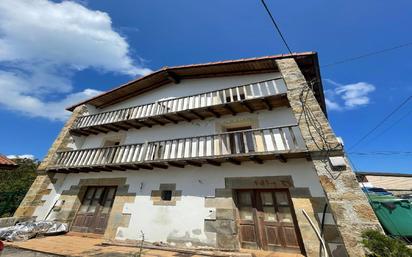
[255,145]
[246,98]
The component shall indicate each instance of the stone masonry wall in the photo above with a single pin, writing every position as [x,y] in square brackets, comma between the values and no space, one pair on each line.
[39,188]
[349,206]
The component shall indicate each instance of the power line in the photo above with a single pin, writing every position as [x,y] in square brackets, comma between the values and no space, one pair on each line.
[387,153]
[276,26]
[380,123]
[366,55]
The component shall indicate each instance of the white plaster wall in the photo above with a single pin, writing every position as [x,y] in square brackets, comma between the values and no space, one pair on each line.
[189,87]
[186,219]
[277,117]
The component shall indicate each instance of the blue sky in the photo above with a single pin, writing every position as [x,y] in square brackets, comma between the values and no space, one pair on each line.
[54,53]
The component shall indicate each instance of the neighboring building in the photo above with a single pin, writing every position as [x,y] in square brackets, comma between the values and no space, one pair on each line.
[396,183]
[224,155]
[6,163]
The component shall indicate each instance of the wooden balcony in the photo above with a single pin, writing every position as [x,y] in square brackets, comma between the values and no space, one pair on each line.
[255,145]
[246,98]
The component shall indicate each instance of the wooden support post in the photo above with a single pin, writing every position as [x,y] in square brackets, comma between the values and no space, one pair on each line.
[247,106]
[256,159]
[267,104]
[216,114]
[213,162]
[160,165]
[197,114]
[176,164]
[156,121]
[228,107]
[183,117]
[234,161]
[169,119]
[194,163]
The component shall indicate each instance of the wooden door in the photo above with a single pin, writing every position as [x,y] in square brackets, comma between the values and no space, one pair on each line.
[266,220]
[94,212]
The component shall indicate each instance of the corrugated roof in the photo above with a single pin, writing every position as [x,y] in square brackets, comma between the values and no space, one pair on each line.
[307,61]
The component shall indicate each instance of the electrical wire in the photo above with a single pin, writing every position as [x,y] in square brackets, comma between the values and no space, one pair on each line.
[366,55]
[380,123]
[276,25]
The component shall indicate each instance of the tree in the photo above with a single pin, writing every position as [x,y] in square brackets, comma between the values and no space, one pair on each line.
[380,245]
[14,184]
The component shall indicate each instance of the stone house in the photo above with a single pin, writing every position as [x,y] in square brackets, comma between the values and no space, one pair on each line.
[224,155]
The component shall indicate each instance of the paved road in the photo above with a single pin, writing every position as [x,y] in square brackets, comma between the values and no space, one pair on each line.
[14,252]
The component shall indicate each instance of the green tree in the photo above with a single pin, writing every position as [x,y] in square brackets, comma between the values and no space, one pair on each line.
[14,184]
[380,245]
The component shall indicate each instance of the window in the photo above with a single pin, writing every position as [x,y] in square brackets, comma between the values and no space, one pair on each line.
[166,195]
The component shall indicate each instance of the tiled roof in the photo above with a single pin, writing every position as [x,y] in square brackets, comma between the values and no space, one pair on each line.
[6,162]
[307,61]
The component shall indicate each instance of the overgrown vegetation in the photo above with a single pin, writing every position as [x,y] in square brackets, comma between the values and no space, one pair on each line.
[14,184]
[380,245]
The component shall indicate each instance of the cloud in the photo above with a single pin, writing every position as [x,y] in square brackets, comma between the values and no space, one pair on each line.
[346,97]
[21,156]
[42,44]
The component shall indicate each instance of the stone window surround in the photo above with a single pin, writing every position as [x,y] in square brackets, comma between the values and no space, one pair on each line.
[157,199]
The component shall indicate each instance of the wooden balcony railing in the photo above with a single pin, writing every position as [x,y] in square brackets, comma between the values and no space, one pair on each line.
[246,98]
[256,145]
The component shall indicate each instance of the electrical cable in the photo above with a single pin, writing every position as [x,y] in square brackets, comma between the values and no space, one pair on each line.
[276,25]
[380,123]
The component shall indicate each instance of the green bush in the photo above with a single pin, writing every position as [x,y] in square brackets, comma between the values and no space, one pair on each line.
[380,245]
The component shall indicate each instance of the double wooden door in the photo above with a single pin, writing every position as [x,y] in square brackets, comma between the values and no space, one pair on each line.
[94,212]
[266,220]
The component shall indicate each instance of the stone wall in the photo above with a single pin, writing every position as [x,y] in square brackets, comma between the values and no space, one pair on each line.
[39,188]
[350,208]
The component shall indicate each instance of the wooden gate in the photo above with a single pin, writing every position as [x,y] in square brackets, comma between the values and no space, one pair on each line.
[266,220]
[94,212]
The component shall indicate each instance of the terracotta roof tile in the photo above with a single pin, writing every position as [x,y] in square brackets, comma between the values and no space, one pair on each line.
[6,162]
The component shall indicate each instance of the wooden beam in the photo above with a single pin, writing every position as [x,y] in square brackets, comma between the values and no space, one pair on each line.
[132,124]
[117,168]
[169,119]
[173,77]
[281,158]
[213,162]
[197,114]
[216,114]
[156,121]
[183,117]
[267,104]
[228,107]
[91,131]
[256,159]
[247,107]
[99,130]
[109,127]
[176,164]
[145,166]
[194,163]
[160,165]
[234,161]
[78,133]
[145,124]
[119,126]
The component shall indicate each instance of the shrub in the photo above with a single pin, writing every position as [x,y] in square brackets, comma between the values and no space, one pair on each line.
[380,245]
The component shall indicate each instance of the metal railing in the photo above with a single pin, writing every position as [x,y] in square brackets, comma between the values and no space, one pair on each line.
[245,142]
[217,97]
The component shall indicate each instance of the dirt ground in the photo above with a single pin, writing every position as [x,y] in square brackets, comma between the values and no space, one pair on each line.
[76,246]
